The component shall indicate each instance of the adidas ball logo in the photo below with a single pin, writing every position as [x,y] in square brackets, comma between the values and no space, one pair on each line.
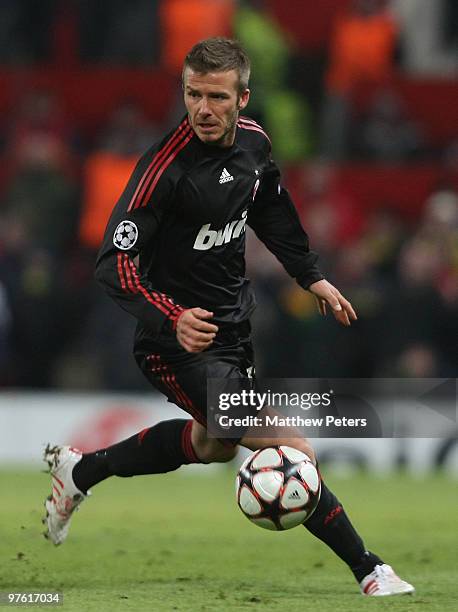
[225,177]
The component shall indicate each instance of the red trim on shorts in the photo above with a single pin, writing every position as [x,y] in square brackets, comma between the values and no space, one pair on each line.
[168,378]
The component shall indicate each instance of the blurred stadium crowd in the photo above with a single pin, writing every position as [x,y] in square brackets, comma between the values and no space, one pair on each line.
[361,100]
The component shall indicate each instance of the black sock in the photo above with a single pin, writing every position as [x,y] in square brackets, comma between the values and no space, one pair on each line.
[332,526]
[155,450]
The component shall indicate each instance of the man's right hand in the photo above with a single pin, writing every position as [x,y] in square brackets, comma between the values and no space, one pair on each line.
[194,333]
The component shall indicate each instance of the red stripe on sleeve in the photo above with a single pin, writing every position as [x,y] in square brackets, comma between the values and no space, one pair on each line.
[141,200]
[152,298]
[176,315]
[166,164]
[120,272]
[130,283]
[155,163]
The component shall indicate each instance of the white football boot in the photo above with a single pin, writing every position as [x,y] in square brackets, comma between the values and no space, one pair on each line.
[65,497]
[382,581]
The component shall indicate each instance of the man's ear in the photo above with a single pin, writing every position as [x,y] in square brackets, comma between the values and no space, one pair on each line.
[243,99]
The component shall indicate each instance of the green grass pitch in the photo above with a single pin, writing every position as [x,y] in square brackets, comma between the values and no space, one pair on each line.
[178,542]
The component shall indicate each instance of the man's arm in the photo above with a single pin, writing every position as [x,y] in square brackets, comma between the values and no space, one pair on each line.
[275,221]
[133,224]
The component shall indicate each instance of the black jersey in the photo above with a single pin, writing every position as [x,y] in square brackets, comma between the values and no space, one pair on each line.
[176,238]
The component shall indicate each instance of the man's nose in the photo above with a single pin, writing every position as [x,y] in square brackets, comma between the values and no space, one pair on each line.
[204,107]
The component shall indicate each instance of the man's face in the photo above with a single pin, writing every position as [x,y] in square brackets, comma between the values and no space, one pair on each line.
[213,103]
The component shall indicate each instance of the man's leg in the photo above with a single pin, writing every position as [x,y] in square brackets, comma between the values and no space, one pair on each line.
[154,450]
[331,525]
[329,522]
[162,448]
[159,449]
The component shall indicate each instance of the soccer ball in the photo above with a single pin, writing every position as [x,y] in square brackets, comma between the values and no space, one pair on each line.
[278,488]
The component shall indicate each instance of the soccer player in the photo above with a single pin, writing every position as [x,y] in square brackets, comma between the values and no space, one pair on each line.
[173,257]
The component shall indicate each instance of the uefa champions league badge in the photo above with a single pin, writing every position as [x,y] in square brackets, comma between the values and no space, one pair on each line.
[125,235]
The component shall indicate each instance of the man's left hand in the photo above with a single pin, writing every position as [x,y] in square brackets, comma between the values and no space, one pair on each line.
[325,293]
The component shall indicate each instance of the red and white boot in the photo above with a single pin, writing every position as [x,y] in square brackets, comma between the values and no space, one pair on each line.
[65,497]
[382,581]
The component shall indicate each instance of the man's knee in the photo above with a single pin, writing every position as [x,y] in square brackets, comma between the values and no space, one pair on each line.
[210,450]
[215,452]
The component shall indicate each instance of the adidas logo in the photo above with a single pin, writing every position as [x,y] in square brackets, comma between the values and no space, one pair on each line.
[294,495]
[225,177]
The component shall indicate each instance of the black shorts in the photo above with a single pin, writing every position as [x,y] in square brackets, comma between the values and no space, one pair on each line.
[182,376]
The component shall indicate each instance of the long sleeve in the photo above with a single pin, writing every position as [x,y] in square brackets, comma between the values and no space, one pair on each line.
[133,227]
[275,221]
